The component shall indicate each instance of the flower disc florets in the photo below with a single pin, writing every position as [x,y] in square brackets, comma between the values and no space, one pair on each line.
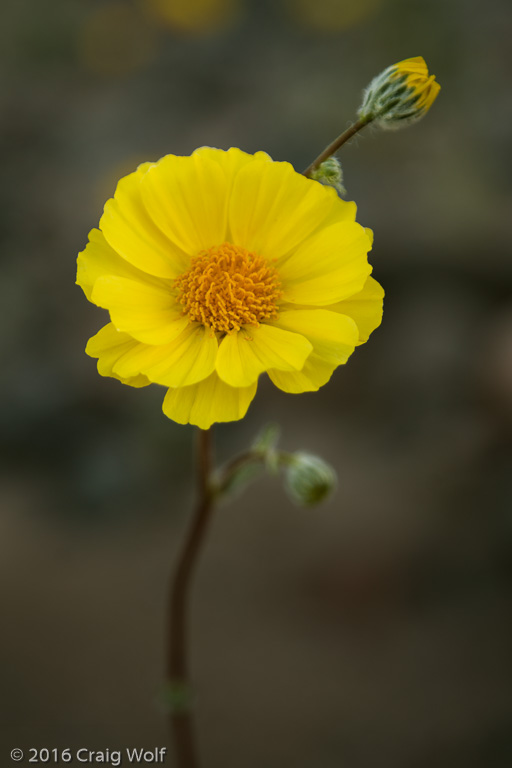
[227,287]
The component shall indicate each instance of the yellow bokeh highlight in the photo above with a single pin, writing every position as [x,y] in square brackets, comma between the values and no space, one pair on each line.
[193,16]
[115,40]
[332,16]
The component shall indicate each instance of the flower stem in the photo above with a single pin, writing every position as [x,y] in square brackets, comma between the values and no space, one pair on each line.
[177,664]
[336,144]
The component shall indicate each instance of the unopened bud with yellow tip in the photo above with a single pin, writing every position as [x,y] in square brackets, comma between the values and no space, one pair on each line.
[309,480]
[401,94]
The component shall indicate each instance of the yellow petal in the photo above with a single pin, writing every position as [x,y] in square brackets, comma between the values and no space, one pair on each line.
[208,402]
[188,359]
[315,374]
[148,313]
[414,66]
[342,210]
[273,208]
[364,307]
[134,381]
[187,198]
[333,338]
[99,259]
[109,345]
[244,355]
[132,233]
[231,160]
[327,268]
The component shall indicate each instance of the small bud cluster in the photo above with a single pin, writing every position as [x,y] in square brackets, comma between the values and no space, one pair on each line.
[329,173]
[307,479]
[401,94]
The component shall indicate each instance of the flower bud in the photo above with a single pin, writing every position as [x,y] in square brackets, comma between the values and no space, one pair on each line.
[402,94]
[329,173]
[309,479]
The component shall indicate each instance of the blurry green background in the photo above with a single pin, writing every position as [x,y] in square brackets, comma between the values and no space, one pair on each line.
[374,630]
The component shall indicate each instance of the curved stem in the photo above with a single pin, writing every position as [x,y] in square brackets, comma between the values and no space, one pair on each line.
[282,459]
[177,662]
[243,460]
[336,144]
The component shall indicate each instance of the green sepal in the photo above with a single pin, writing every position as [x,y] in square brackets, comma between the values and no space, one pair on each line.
[267,439]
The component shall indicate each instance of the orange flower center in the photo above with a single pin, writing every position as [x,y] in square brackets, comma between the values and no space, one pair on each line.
[227,287]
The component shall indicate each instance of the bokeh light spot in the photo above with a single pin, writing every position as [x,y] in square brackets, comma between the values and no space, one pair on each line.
[116,40]
[332,16]
[193,16]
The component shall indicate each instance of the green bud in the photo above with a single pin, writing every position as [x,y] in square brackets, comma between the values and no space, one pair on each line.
[308,479]
[329,173]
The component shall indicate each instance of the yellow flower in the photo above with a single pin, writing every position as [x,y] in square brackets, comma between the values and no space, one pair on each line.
[403,93]
[218,267]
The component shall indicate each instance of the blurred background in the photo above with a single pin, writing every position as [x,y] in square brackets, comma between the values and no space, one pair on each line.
[374,630]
